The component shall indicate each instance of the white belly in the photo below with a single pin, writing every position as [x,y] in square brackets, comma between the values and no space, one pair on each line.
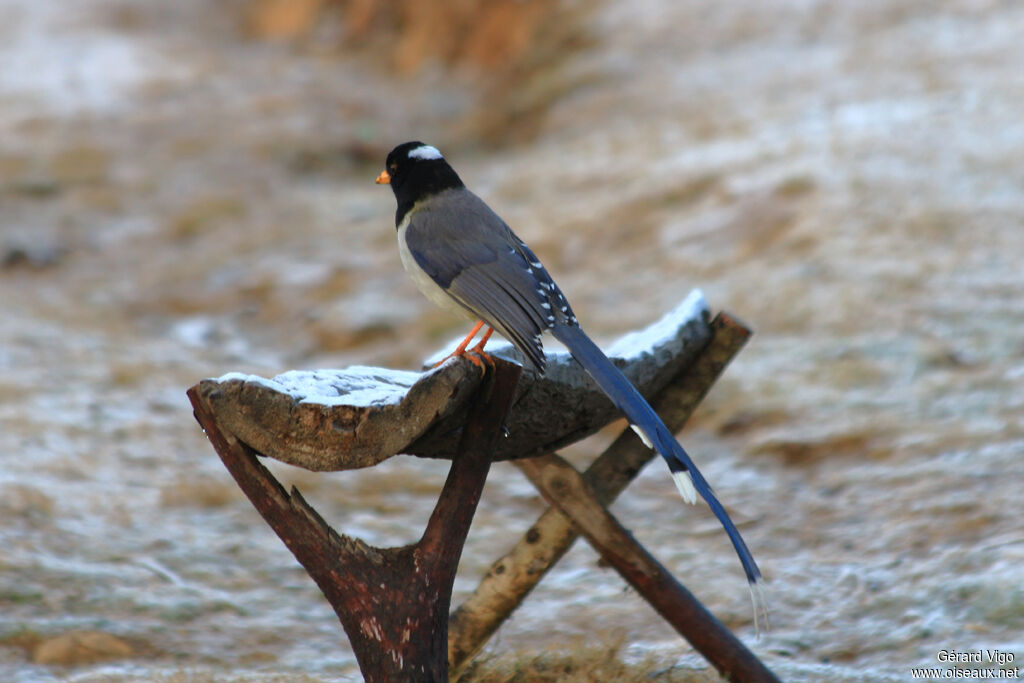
[423,281]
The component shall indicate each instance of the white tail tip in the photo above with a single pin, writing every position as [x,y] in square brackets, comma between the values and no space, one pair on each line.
[762,622]
[684,482]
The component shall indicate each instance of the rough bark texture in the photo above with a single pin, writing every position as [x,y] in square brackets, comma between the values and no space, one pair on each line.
[428,419]
[392,602]
[322,437]
[512,577]
[563,487]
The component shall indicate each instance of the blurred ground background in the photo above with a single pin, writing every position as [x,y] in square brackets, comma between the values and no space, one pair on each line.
[186,190]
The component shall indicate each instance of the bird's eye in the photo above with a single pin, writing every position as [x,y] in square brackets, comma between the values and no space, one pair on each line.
[392,167]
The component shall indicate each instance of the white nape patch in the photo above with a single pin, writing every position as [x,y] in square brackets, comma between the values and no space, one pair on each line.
[425,152]
[643,437]
[684,482]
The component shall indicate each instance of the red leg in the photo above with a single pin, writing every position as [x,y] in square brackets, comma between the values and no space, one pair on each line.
[460,350]
[479,348]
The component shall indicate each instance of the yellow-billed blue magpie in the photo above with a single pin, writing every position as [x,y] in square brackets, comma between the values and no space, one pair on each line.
[464,258]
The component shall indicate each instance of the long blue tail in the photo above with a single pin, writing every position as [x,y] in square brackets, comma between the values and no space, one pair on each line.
[640,414]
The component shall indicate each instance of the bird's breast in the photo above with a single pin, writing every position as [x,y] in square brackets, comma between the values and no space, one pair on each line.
[423,281]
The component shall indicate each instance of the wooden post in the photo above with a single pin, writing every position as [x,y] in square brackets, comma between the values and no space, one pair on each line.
[563,487]
[512,577]
[392,602]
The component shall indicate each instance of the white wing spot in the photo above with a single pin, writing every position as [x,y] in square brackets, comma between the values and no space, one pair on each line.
[425,152]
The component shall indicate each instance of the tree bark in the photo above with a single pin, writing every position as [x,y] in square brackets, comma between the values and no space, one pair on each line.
[392,602]
[563,487]
[512,577]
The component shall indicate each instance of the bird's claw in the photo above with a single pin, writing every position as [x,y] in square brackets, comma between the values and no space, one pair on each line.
[479,358]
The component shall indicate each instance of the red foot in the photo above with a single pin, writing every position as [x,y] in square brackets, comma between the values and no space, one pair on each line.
[476,355]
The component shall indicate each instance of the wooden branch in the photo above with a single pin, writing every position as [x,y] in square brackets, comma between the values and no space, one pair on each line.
[358,417]
[512,577]
[303,419]
[453,514]
[393,603]
[563,487]
[582,408]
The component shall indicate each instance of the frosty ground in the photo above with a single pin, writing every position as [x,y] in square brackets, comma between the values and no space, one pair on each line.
[179,202]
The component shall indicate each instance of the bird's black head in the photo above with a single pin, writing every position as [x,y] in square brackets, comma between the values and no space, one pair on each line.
[415,171]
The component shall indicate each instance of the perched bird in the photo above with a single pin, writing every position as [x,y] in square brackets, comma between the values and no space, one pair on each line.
[464,258]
